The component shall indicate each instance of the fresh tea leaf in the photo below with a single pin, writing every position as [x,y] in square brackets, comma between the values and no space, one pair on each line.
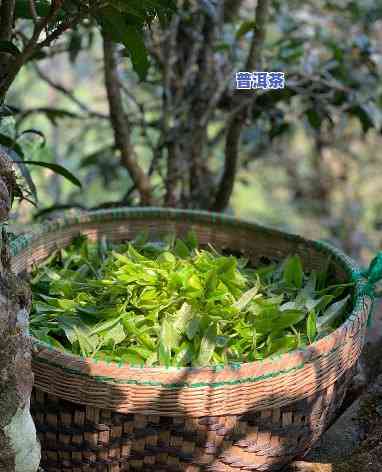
[181,250]
[170,336]
[192,328]
[273,320]
[183,317]
[164,354]
[311,326]
[207,346]
[191,240]
[211,282]
[246,298]
[333,313]
[293,273]
[169,303]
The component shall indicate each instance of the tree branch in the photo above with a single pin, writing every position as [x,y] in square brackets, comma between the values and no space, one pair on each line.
[32,8]
[254,58]
[172,178]
[121,124]
[32,45]
[238,118]
[61,28]
[70,95]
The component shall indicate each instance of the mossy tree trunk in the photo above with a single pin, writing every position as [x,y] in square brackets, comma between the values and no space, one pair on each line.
[19,447]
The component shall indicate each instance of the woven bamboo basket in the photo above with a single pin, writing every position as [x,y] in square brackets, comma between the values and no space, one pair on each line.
[259,416]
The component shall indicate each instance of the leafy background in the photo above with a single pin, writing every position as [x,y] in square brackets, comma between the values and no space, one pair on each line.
[309,157]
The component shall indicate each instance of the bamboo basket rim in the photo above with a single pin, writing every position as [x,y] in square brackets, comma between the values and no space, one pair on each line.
[271,366]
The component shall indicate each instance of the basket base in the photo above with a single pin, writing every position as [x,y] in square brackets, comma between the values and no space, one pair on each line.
[79,438]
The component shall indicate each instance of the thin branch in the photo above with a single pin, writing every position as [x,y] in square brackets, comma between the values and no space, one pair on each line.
[132,98]
[32,45]
[217,138]
[29,49]
[238,118]
[41,25]
[32,8]
[214,100]
[141,120]
[24,114]
[121,124]
[55,51]
[61,28]
[70,95]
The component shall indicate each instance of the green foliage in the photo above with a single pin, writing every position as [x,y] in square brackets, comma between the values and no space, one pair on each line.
[60,170]
[118,28]
[12,142]
[123,21]
[342,83]
[23,9]
[172,303]
[331,105]
[245,27]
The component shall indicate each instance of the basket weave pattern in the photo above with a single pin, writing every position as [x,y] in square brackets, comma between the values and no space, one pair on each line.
[255,416]
[82,438]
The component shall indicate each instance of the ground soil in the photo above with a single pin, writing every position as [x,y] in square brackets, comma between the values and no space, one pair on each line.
[368,455]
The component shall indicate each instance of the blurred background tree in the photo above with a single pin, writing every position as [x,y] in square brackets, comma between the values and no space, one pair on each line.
[151,116]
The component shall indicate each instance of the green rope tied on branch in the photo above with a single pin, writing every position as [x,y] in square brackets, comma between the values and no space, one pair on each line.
[373,275]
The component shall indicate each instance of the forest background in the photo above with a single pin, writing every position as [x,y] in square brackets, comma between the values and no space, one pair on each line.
[304,159]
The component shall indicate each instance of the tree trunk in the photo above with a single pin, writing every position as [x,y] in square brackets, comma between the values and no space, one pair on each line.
[121,126]
[19,447]
[7,10]
[237,121]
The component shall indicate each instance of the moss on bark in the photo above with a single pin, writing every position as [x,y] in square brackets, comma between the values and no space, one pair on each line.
[19,449]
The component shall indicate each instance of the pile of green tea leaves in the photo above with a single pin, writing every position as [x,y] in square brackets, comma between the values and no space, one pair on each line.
[172,303]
